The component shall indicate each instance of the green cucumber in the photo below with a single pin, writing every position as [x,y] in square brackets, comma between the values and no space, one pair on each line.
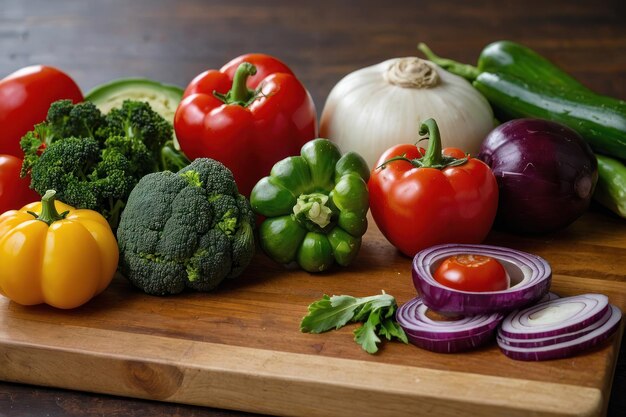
[518,83]
[611,188]
[163,98]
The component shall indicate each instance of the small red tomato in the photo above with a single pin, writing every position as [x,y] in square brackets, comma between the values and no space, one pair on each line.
[473,273]
[25,97]
[14,191]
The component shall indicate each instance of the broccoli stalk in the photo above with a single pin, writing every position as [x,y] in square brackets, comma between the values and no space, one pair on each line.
[172,159]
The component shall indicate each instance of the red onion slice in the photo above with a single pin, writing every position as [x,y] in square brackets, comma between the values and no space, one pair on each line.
[446,335]
[568,348]
[549,297]
[556,317]
[552,340]
[530,280]
[457,344]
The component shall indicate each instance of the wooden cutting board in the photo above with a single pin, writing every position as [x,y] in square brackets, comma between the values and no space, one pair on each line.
[240,347]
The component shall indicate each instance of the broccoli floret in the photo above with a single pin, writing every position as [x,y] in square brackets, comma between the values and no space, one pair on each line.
[191,230]
[136,120]
[93,161]
[66,119]
[85,176]
[134,151]
[65,166]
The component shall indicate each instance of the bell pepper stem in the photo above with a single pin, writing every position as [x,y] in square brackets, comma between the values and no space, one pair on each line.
[49,213]
[311,210]
[239,93]
[433,157]
[466,71]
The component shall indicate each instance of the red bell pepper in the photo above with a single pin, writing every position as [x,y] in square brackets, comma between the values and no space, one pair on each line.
[250,114]
[420,199]
[25,97]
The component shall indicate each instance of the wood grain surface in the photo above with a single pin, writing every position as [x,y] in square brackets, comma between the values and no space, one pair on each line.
[239,346]
[322,41]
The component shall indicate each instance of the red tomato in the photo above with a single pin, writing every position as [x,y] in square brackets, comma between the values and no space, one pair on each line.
[25,97]
[14,191]
[475,273]
[421,199]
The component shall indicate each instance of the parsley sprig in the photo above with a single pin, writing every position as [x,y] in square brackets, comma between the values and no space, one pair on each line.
[377,313]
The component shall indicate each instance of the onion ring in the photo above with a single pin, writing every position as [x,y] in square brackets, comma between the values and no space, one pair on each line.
[552,340]
[445,336]
[530,276]
[567,348]
[555,317]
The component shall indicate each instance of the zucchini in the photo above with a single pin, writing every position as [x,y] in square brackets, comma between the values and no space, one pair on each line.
[611,187]
[518,83]
[163,98]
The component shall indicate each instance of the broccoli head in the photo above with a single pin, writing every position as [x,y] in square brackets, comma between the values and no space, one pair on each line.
[65,166]
[85,175]
[136,120]
[190,229]
[93,161]
[64,120]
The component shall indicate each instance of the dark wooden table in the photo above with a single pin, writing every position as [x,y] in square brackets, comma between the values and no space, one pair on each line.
[172,41]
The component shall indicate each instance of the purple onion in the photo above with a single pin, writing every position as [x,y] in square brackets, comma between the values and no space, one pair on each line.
[452,345]
[549,297]
[564,349]
[556,317]
[530,280]
[445,336]
[552,340]
[546,174]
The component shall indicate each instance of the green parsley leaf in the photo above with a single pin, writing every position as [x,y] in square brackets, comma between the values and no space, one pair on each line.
[390,329]
[377,313]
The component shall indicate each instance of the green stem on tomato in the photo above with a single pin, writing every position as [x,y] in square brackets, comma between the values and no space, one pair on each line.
[433,157]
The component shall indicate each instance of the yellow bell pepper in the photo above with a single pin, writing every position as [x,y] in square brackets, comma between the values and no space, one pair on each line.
[52,253]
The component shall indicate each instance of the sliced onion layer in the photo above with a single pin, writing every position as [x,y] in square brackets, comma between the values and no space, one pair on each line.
[558,328]
[555,317]
[530,280]
[459,344]
[447,336]
[549,296]
[552,340]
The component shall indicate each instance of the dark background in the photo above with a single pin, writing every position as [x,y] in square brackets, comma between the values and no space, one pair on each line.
[172,41]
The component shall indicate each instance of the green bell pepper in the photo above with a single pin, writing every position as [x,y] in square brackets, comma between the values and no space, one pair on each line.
[611,187]
[518,82]
[315,206]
